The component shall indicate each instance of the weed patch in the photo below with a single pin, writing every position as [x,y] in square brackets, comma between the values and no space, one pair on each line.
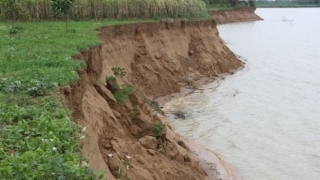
[122,94]
[118,71]
[39,141]
[157,128]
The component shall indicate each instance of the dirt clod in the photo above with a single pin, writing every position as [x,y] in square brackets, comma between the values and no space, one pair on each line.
[149,142]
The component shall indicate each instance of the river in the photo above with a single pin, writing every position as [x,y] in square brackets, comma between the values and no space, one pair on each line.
[264,119]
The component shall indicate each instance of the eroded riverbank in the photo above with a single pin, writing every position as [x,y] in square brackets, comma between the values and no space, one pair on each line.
[159,58]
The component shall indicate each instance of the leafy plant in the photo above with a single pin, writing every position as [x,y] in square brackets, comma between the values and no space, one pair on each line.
[32,87]
[42,143]
[157,128]
[122,94]
[112,84]
[118,71]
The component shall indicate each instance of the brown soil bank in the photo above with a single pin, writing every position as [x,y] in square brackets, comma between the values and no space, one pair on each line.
[158,58]
[239,15]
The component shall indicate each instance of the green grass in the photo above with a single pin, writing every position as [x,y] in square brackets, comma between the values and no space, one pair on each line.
[38,140]
[122,94]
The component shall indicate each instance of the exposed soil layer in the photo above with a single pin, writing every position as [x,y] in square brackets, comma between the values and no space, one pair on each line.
[240,15]
[159,58]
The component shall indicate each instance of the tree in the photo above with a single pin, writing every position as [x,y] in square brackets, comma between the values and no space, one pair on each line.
[12,10]
[233,2]
[252,3]
[62,7]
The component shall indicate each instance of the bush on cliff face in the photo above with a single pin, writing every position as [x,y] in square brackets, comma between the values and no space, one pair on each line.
[120,94]
[112,84]
[157,128]
[118,71]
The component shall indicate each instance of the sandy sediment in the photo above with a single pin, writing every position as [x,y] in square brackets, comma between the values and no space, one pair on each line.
[159,59]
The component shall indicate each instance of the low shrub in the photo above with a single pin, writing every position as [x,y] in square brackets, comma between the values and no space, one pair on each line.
[157,128]
[118,71]
[122,94]
[112,84]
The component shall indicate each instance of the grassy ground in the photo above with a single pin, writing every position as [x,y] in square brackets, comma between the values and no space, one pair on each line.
[37,138]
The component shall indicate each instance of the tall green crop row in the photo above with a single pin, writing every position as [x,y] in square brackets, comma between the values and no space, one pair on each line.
[114,9]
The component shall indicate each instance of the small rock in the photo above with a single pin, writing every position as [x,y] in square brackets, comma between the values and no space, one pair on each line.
[108,146]
[160,150]
[181,143]
[142,52]
[108,49]
[172,150]
[158,56]
[186,158]
[179,115]
[116,113]
[106,94]
[135,130]
[149,142]
[114,163]
[134,99]
[151,152]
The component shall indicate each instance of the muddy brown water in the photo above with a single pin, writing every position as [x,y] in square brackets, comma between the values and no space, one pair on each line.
[264,120]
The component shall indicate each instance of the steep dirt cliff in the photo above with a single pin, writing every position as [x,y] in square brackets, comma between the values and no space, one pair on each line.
[240,15]
[159,58]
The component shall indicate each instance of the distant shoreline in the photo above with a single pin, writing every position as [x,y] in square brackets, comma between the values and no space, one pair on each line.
[290,7]
[287,6]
